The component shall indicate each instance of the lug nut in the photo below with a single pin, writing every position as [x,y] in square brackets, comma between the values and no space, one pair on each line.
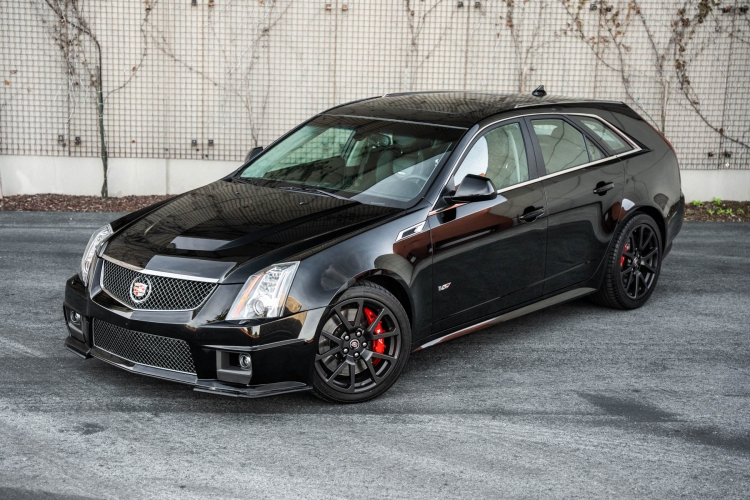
[346,351]
[359,334]
[356,354]
[346,337]
[364,344]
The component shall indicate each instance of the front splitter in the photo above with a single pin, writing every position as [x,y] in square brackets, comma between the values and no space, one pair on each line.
[210,386]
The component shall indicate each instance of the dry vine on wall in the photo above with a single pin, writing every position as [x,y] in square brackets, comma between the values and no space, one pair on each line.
[82,56]
[418,14]
[692,27]
[244,59]
[524,20]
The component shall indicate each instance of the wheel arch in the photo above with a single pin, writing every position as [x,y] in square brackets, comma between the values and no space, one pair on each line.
[388,280]
[655,214]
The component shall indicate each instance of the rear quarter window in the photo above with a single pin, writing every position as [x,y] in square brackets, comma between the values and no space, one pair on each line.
[608,136]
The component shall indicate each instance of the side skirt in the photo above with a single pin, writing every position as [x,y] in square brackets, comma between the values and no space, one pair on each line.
[557,299]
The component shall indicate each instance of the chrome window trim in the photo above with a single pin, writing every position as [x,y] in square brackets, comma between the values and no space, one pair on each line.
[636,149]
[159,273]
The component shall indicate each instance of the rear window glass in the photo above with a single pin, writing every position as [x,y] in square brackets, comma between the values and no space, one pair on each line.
[607,135]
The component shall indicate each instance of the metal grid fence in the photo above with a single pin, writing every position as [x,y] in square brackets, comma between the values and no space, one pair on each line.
[205,79]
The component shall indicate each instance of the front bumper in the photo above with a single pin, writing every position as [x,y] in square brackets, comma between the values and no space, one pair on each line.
[282,351]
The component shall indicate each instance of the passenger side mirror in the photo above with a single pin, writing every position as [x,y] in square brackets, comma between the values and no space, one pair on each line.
[473,188]
[253,153]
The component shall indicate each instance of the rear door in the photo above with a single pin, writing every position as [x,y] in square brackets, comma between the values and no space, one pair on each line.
[584,183]
[490,255]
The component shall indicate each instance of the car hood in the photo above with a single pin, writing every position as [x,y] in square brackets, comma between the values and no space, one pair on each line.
[211,231]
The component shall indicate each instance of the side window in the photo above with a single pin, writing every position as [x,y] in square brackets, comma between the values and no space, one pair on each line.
[607,135]
[500,155]
[594,152]
[562,145]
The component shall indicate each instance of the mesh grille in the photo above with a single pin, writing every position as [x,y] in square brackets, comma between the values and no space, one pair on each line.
[143,348]
[164,294]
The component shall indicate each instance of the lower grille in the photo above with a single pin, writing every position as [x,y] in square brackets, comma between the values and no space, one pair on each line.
[144,348]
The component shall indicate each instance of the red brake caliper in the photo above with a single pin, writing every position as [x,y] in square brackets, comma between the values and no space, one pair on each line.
[378,345]
[622,257]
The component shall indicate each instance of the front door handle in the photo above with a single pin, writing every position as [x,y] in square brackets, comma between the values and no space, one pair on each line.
[532,215]
[602,188]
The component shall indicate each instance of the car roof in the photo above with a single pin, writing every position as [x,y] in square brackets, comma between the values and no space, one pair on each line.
[451,108]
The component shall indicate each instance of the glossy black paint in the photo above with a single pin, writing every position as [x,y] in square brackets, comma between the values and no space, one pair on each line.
[582,210]
[473,188]
[491,258]
[234,223]
[497,255]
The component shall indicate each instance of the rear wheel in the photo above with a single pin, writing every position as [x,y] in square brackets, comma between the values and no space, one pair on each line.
[363,345]
[633,265]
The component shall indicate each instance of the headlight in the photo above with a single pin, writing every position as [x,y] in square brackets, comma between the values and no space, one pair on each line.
[88,256]
[265,293]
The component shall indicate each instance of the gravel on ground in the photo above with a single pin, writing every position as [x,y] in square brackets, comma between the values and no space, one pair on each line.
[65,203]
[574,401]
[716,211]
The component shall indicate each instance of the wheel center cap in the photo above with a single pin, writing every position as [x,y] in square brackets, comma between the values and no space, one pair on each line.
[354,344]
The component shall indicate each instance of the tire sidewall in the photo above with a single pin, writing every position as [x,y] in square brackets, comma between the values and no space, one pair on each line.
[378,294]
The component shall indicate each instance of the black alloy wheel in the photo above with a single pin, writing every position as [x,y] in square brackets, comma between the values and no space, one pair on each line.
[639,261]
[363,344]
[633,265]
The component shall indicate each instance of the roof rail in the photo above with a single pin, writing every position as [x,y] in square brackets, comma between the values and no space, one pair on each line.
[348,103]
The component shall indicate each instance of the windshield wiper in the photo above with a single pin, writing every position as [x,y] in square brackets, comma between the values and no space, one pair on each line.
[313,191]
[244,180]
[332,195]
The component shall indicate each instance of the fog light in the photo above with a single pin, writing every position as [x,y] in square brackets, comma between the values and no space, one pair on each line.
[245,362]
[75,318]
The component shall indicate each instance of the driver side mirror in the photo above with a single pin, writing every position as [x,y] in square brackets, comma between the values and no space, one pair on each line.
[473,188]
[253,153]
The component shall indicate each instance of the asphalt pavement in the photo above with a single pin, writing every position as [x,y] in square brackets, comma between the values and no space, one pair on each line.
[574,401]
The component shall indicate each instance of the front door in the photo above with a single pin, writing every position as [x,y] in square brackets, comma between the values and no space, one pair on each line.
[584,185]
[489,256]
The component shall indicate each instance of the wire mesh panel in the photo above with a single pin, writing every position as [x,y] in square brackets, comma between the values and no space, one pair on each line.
[211,79]
[150,292]
[143,348]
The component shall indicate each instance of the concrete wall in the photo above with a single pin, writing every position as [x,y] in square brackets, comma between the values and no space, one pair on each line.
[212,80]
[704,185]
[127,176]
[138,176]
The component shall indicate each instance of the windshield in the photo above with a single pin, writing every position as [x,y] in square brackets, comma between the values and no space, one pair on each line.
[371,161]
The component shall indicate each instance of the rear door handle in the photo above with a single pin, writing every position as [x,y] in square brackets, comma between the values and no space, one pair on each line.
[531,216]
[602,188]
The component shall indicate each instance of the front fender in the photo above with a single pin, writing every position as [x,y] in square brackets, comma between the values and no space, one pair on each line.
[376,255]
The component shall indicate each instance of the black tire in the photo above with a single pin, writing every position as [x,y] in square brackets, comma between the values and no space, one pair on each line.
[359,356]
[633,265]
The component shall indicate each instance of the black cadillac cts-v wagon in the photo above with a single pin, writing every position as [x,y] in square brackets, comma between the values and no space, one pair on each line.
[378,228]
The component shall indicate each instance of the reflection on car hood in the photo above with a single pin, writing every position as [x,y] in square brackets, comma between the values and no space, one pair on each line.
[234,223]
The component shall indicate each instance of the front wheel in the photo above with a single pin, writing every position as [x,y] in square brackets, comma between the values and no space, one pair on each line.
[633,265]
[363,345]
